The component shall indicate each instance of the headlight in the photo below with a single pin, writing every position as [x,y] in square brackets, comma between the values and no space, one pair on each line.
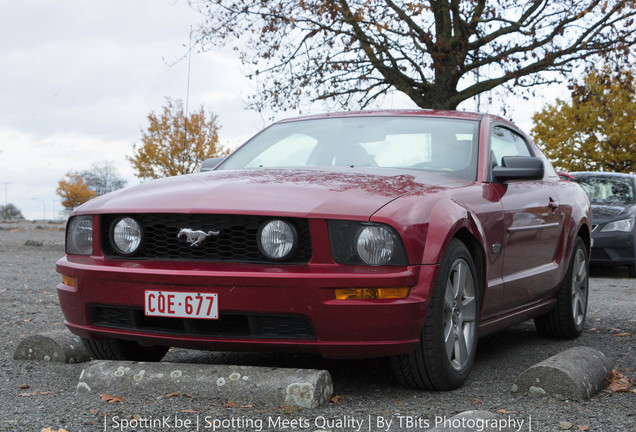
[277,239]
[79,235]
[375,245]
[366,243]
[625,225]
[126,236]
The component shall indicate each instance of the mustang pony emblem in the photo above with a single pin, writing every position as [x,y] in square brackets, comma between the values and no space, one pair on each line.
[195,238]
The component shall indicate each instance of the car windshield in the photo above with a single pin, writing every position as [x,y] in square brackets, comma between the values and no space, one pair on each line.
[445,146]
[604,190]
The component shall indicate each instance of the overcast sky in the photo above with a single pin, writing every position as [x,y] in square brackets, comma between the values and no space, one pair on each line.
[78,78]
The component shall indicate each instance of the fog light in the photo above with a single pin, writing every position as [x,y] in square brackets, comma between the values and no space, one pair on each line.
[372,293]
[277,239]
[126,236]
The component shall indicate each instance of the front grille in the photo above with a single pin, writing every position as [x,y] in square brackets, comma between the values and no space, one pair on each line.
[235,243]
[608,254]
[227,326]
[625,252]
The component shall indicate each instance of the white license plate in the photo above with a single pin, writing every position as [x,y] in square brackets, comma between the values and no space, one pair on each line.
[181,304]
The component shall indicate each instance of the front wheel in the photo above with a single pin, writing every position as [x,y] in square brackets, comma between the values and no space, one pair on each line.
[567,319]
[116,349]
[448,341]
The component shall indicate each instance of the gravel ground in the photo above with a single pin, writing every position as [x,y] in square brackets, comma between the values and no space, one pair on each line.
[35,396]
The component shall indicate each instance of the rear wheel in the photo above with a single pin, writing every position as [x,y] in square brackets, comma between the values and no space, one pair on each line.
[116,349]
[448,341]
[567,319]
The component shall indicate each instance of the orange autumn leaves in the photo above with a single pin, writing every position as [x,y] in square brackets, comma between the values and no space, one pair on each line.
[618,383]
[175,142]
[110,398]
[74,191]
[594,130]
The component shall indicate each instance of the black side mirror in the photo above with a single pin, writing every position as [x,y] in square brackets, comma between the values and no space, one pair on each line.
[519,168]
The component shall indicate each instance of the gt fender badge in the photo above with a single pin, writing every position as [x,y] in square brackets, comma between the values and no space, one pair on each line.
[195,238]
[496,247]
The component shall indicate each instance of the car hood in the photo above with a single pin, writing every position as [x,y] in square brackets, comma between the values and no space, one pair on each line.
[353,193]
[606,213]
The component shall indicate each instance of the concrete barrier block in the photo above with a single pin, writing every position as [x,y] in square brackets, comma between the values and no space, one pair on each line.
[576,374]
[58,346]
[304,388]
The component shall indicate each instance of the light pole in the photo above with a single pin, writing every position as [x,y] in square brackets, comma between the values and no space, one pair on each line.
[43,207]
[6,200]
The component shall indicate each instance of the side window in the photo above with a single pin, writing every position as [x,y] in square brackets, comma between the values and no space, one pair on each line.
[504,142]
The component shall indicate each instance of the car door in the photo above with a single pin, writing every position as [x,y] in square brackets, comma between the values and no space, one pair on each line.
[533,225]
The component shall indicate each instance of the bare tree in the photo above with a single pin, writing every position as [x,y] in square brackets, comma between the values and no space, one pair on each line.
[103,177]
[10,212]
[437,52]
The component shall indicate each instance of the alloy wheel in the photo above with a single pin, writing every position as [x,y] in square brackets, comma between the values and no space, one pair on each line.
[460,315]
[579,287]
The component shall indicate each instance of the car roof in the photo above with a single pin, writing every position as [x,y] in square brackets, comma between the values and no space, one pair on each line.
[466,115]
[600,174]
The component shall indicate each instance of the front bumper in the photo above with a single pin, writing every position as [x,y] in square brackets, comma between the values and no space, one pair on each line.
[615,248]
[261,308]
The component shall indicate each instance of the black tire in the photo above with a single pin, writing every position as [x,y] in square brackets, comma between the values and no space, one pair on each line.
[448,341]
[632,270]
[116,349]
[567,319]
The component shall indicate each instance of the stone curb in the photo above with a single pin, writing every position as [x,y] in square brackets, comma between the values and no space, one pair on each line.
[470,421]
[576,374]
[58,346]
[303,388]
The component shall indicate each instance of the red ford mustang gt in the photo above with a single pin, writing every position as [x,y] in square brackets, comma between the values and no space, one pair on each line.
[406,234]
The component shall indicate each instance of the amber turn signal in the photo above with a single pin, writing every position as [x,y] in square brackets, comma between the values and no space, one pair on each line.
[68,281]
[372,293]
